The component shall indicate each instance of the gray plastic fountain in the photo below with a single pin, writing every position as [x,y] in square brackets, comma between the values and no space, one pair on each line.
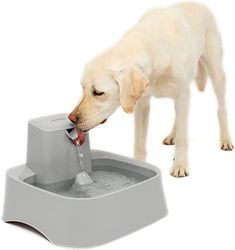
[123,196]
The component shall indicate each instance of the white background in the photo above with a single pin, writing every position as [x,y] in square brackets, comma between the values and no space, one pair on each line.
[43,47]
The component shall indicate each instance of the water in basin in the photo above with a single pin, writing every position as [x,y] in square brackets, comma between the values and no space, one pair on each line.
[104,182]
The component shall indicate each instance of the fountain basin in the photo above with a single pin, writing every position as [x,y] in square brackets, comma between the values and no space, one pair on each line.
[67,219]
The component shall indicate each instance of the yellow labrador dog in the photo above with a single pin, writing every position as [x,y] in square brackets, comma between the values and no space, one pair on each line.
[166,50]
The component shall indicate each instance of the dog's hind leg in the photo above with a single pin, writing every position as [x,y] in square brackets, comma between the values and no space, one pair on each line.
[201,76]
[141,126]
[213,62]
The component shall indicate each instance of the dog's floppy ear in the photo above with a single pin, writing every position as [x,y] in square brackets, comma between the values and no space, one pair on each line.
[132,85]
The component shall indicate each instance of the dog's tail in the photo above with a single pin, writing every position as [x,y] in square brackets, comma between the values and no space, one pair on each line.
[201,77]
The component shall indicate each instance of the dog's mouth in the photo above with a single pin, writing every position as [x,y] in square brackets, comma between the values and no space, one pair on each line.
[103,121]
[86,130]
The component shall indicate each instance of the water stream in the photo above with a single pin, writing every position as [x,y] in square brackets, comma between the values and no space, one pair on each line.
[81,158]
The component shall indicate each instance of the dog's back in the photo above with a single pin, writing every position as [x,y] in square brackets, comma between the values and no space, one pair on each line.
[181,28]
[197,15]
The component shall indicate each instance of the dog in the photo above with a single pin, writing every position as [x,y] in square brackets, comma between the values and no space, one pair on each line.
[160,56]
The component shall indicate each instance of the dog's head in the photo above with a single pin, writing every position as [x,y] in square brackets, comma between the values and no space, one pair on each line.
[104,91]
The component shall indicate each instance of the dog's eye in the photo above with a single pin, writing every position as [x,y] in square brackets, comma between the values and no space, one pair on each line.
[95,92]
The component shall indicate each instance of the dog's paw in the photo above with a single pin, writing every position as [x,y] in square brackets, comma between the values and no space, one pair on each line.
[226,145]
[179,171]
[169,140]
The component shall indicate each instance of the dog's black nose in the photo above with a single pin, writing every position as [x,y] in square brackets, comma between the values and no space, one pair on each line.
[73,118]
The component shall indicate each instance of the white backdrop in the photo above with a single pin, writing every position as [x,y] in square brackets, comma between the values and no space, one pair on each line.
[43,47]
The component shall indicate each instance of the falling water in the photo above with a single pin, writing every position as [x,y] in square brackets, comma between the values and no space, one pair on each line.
[81,157]
[82,177]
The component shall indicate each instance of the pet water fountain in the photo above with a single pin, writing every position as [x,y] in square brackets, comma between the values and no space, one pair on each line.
[123,195]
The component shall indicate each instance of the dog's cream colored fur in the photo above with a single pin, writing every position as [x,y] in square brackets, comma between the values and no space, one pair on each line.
[160,56]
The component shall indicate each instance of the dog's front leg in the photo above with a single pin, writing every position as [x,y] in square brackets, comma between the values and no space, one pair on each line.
[179,168]
[141,127]
[170,139]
